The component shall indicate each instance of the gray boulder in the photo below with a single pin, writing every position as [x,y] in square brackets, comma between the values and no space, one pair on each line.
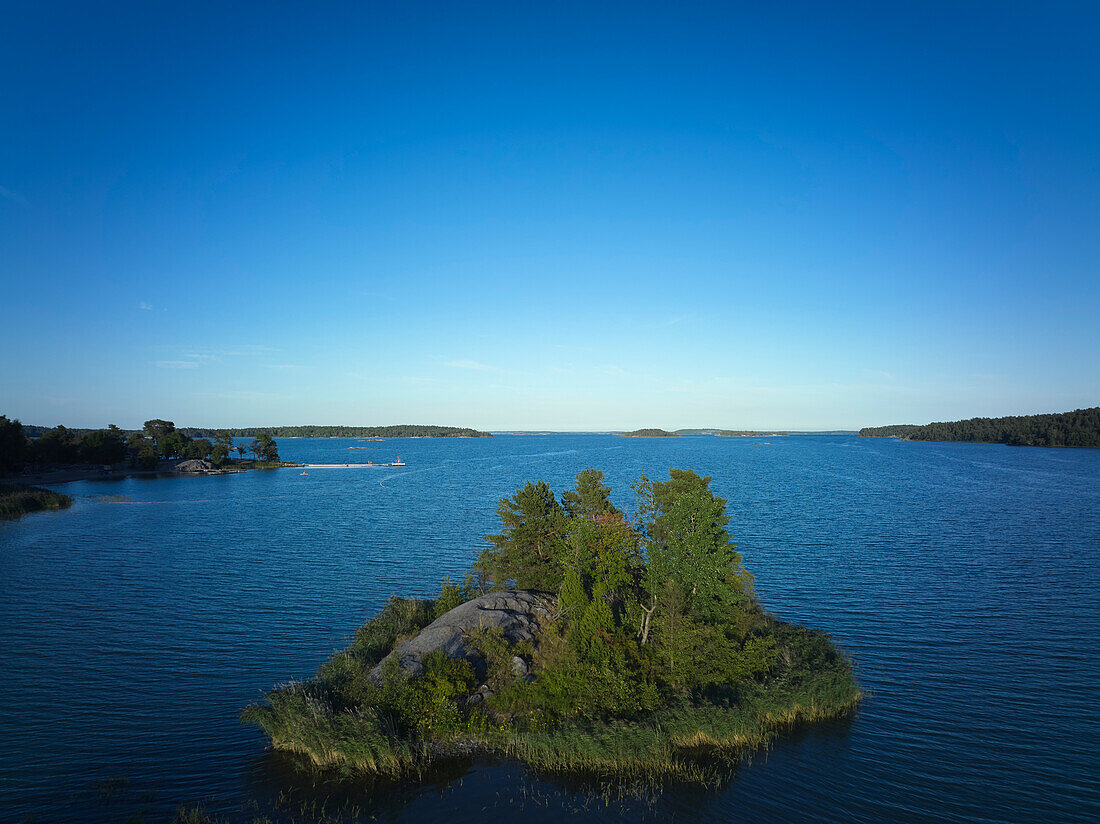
[194,466]
[515,613]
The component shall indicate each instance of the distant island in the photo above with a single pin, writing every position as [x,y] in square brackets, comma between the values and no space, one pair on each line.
[650,433]
[584,642]
[1080,428]
[397,431]
[732,433]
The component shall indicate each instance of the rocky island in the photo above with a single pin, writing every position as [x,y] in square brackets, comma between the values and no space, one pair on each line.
[582,643]
[650,433]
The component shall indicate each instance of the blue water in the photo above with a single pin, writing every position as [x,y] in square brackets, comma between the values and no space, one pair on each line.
[963,579]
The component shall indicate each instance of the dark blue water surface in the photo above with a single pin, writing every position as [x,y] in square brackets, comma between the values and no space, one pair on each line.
[963,580]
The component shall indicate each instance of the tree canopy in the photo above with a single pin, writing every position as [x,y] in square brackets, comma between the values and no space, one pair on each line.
[158,440]
[671,580]
[1080,428]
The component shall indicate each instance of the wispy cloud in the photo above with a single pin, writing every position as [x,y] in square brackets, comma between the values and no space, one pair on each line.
[14,197]
[147,307]
[470,364]
[245,395]
[177,364]
[613,371]
[282,366]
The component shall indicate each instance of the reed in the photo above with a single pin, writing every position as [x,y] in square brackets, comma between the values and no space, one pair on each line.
[17,500]
[696,743]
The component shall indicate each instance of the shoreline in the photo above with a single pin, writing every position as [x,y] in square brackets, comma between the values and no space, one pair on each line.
[165,469]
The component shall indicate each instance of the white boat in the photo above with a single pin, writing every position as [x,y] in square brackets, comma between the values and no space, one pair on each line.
[398,462]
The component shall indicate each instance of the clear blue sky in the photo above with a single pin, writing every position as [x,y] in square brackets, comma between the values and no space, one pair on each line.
[555,215]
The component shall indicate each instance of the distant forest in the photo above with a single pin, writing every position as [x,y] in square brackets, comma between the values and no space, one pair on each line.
[398,431]
[650,433]
[159,440]
[728,433]
[1080,428]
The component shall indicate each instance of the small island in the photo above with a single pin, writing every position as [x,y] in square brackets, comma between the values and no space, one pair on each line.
[1080,428]
[650,433]
[17,500]
[582,643]
[732,433]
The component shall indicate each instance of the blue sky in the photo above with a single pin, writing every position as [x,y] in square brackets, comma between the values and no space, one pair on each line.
[560,216]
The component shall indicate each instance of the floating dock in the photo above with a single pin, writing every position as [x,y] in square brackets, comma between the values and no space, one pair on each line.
[354,465]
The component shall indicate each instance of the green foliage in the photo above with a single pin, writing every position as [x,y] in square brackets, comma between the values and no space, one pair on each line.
[528,549]
[400,617]
[650,433]
[157,430]
[605,549]
[688,543]
[658,663]
[497,654]
[145,457]
[452,595]
[398,431]
[573,600]
[13,444]
[589,498]
[103,446]
[19,499]
[427,704]
[264,448]
[1080,428]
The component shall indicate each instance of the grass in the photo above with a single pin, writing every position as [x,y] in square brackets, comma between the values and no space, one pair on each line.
[340,720]
[691,743]
[17,500]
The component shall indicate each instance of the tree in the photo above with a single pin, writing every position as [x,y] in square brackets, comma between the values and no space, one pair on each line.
[103,446]
[199,449]
[145,457]
[589,497]
[264,448]
[157,430]
[13,443]
[57,446]
[688,545]
[529,548]
[174,444]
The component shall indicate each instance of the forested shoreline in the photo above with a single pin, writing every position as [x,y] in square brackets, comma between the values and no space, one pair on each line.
[395,431]
[22,448]
[1079,428]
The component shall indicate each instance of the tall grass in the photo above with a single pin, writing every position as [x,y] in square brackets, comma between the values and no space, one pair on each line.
[689,740]
[17,500]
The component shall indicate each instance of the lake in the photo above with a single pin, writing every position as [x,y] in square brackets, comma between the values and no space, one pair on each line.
[963,579]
